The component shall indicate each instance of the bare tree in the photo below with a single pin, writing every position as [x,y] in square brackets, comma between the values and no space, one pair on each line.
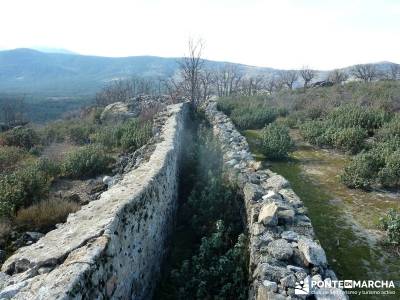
[251,85]
[307,74]
[337,76]
[365,72]
[206,83]
[288,78]
[190,68]
[270,84]
[394,72]
[227,80]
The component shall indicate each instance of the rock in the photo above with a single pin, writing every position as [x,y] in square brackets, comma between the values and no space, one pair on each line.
[11,290]
[295,269]
[3,279]
[280,249]
[268,214]
[252,192]
[21,265]
[116,112]
[276,182]
[256,165]
[269,272]
[258,229]
[312,252]
[271,195]
[286,216]
[264,293]
[44,270]
[288,281]
[33,236]
[107,180]
[270,285]
[290,235]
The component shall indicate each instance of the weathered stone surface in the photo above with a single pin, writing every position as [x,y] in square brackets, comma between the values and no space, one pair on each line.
[116,112]
[290,235]
[252,192]
[313,252]
[268,214]
[280,249]
[122,234]
[270,285]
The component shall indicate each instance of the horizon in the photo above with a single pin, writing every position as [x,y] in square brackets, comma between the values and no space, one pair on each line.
[52,50]
[276,34]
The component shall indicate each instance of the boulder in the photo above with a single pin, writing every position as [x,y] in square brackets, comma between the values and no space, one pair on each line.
[280,249]
[268,214]
[116,112]
[252,192]
[312,252]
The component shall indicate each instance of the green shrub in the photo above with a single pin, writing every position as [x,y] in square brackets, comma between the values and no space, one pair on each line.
[253,117]
[362,171]
[217,271]
[349,139]
[390,130]
[391,224]
[87,161]
[24,187]
[357,116]
[79,134]
[276,141]
[10,156]
[108,136]
[22,137]
[390,174]
[135,134]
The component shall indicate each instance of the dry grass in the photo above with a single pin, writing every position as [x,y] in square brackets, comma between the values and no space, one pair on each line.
[5,228]
[44,215]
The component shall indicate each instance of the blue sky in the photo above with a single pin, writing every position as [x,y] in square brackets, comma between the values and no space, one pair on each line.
[282,34]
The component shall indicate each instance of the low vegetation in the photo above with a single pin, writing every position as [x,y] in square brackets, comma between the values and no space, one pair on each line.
[209,252]
[276,142]
[391,224]
[360,119]
[28,171]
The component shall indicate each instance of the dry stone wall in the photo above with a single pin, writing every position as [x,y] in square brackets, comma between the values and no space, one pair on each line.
[113,247]
[283,248]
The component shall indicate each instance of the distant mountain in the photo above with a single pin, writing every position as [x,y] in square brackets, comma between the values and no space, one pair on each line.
[53,50]
[52,74]
[59,74]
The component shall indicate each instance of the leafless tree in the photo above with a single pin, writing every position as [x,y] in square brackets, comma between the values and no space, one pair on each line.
[337,76]
[394,72]
[227,80]
[206,83]
[307,74]
[270,84]
[365,72]
[288,78]
[190,67]
[251,85]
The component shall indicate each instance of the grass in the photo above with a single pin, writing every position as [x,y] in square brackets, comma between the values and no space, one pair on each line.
[45,214]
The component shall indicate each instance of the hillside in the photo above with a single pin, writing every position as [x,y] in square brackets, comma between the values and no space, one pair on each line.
[57,74]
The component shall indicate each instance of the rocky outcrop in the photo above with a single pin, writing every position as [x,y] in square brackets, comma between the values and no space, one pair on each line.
[113,247]
[283,248]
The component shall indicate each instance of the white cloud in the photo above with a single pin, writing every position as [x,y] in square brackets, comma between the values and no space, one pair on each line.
[282,34]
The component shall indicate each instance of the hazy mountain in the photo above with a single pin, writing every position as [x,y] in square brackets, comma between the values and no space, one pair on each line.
[59,74]
[53,50]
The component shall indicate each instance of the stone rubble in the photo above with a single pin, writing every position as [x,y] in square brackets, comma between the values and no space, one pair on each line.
[283,247]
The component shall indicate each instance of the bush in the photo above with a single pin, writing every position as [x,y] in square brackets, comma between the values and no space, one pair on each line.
[389,176]
[135,134]
[391,224]
[9,157]
[276,141]
[349,139]
[87,161]
[362,171]
[357,116]
[79,133]
[314,133]
[390,130]
[217,271]
[24,187]
[22,137]
[44,215]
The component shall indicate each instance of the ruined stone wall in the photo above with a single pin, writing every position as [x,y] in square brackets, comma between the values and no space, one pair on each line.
[113,247]
[283,248]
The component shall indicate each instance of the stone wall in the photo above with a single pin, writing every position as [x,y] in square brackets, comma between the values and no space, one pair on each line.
[283,248]
[113,247]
